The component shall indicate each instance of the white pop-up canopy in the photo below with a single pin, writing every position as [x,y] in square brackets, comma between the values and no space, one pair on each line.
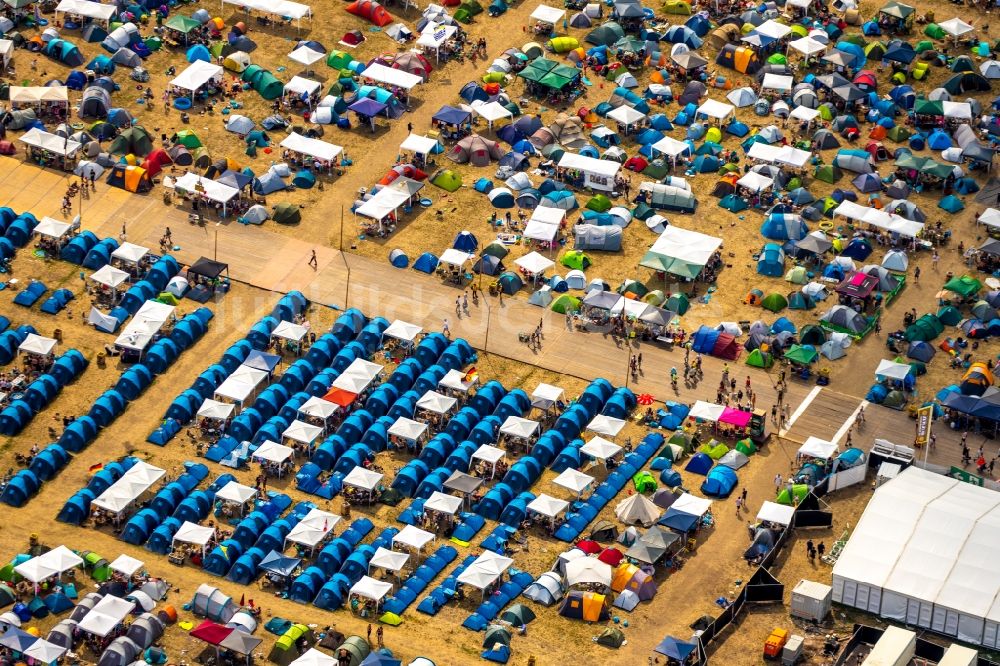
[516,426]
[133,483]
[955,27]
[146,323]
[492,112]
[598,174]
[773,29]
[407,429]
[106,614]
[442,503]
[313,657]
[213,409]
[293,10]
[892,370]
[109,276]
[600,448]
[546,395]
[302,432]
[626,116]
[455,257]
[681,251]
[126,565]
[206,187]
[239,385]
[313,528]
[546,14]
[358,376]
[383,203]
[419,144]
[88,9]
[129,253]
[52,228]
[434,35]
[773,512]
[779,82]
[38,95]
[808,46]
[574,481]
[42,651]
[48,564]
[413,537]
[194,534]
[319,408]
[587,571]
[755,182]
[606,425]
[547,506]
[403,331]
[455,380]
[287,330]
[317,148]
[196,75]
[879,218]
[57,145]
[391,77]
[37,344]
[716,109]
[6,51]
[390,560]
[491,455]
[273,452]
[369,588]
[990,217]
[814,447]
[695,506]
[804,113]
[485,570]
[706,411]
[305,56]
[544,224]
[432,401]
[534,263]
[236,493]
[362,478]
[671,147]
[958,110]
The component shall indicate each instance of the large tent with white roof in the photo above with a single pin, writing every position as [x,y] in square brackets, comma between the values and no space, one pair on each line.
[106,614]
[358,376]
[314,528]
[122,493]
[484,570]
[321,150]
[681,252]
[196,75]
[240,384]
[597,174]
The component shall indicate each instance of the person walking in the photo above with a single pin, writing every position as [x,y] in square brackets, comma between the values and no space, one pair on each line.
[739,506]
[458,307]
[774,414]
[916,274]
[379,637]
[821,549]
[743,496]
[778,481]
[369,633]
[313,262]
[638,362]
[445,328]
[170,237]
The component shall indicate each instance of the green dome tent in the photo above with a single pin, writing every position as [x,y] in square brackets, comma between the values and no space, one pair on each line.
[801,354]
[759,359]
[746,447]
[187,138]
[268,86]
[774,302]
[828,173]
[964,286]
[447,180]
[714,449]
[934,31]
[566,303]
[599,203]
[576,260]
[799,492]
[644,482]
[287,213]
[678,302]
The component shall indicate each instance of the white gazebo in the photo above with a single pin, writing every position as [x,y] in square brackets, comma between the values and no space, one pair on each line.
[363,480]
[491,112]
[315,148]
[39,349]
[436,405]
[112,278]
[195,535]
[549,507]
[197,74]
[456,258]
[274,454]
[413,538]
[545,396]
[213,410]
[691,505]
[627,118]
[123,493]
[319,412]
[534,264]
[456,381]
[544,224]
[419,145]
[371,589]
[601,449]
[575,481]
[240,385]
[490,455]
[485,571]
[814,447]
[210,189]
[358,376]
[715,109]
[444,504]
[315,528]
[394,78]
[291,333]
[519,430]
[406,433]
[129,257]
[237,494]
[302,433]
[773,512]
[606,425]
[588,571]
[126,565]
[47,565]
[106,614]
[404,333]
[53,232]
[305,55]
[389,560]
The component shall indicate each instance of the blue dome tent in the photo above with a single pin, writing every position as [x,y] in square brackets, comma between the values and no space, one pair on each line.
[408,478]
[772,261]
[20,488]
[465,241]
[100,254]
[198,52]
[244,569]
[78,434]
[75,250]
[699,463]
[494,501]
[259,335]
[719,482]
[77,507]
[221,559]
[331,596]
[49,461]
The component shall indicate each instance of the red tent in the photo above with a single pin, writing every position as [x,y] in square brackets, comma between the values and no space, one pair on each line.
[370,10]
[211,633]
[155,162]
[611,556]
[636,164]
[340,397]
[589,547]
[726,347]
[353,38]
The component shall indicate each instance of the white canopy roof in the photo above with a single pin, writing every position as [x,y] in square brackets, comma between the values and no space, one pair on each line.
[455,257]
[489,454]
[814,447]
[626,115]
[287,8]
[303,432]
[132,484]
[803,113]
[960,110]
[273,452]
[534,263]
[313,657]
[194,533]
[52,228]
[443,503]
[689,246]
[196,75]
[547,14]
[546,395]
[955,27]
[807,46]
[436,34]
[592,165]
[389,560]
[773,29]
[313,528]
[670,146]
[106,614]
[455,380]
[547,505]
[146,323]
[779,154]
[574,480]
[892,370]
[108,275]
[492,111]
[382,203]
[485,570]
[776,513]
[606,425]
[402,330]
[289,331]
[126,564]
[414,537]
[389,76]
[990,217]
[755,182]
[407,429]
[600,448]
[707,411]
[419,144]
[236,492]
[359,477]
[305,56]
[541,231]
[695,506]
[39,94]
[779,82]
[37,344]
[548,215]
[369,588]
[51,563]
[92,10]
[715,109]
[358,376]
[587,571]
[433,401]
[318,407]
[212,189]
[41,650]
[516,426]
[50,142]
[313,147]
[213,409]
[241,383]
[129,252]
[879,218]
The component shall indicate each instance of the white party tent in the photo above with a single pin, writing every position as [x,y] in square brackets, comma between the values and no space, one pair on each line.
[122,493]
[106,614]
[358,376]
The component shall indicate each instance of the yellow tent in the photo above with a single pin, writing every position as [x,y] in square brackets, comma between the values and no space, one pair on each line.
[593,606]
[622,575]
[677,7]
[563,44]
[713,134]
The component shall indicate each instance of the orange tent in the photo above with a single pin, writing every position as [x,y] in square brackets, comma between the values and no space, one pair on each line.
[340,397]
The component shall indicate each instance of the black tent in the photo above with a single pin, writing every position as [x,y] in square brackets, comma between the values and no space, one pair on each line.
[208,268]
